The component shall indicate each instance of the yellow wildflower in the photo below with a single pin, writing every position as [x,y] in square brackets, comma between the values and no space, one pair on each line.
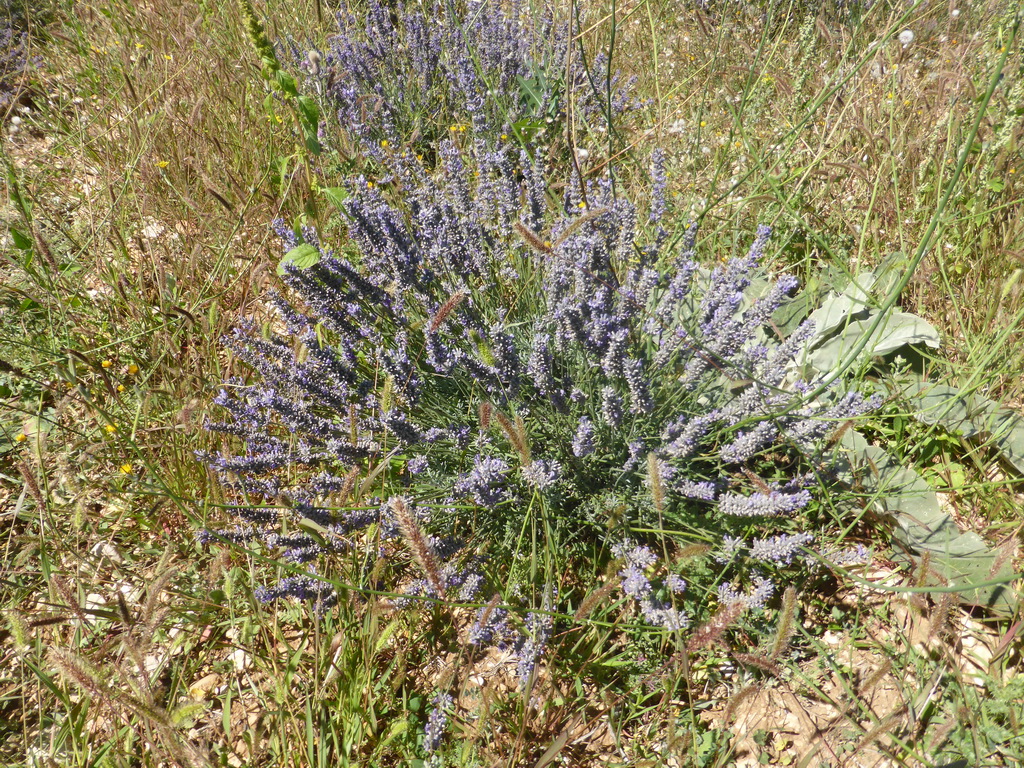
[21,437]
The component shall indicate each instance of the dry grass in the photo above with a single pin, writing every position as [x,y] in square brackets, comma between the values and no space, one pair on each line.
[151,168]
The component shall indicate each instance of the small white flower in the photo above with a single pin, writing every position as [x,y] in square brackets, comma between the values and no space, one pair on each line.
[906,37]
[955,12]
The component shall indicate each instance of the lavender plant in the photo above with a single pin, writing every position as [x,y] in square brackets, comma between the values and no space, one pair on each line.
[503,384]
[411,73]
[494,370]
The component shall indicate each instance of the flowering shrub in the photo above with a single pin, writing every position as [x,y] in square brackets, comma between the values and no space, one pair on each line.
[502,384]
[401,73]
[491,368]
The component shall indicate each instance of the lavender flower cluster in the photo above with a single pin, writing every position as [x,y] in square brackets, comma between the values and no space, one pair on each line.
[407,73]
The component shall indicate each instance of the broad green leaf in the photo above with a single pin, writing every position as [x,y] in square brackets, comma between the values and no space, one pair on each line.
[899,329]
[841,308]
[336,196]
[921,526]
[850,298]
[302,256]
[309,109]
[312,142]
[286,83]
[527,128]
[790,315]
[533,91]
[972,416]
[21,242]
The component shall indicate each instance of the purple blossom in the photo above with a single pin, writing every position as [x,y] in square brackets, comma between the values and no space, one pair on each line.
[763,504]
[417,465]
[542,474]
[703,490]
[636,585]
[486,481]
[848,556]
[489,625]
[748,443]
[461,65]
[780,549]
[638,556]
[306,588]
[437,721]
[663,615]
[675,583]
[756,599]
[473,297]
[730,548]
[532,643]
[469,587]
[761,593]
[634,582]
[639,387]
[611,406]
[683,435]
[636,451]
[14,61]
[583,441]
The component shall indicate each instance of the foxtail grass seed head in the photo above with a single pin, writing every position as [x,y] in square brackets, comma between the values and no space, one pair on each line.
[711,632]
[654,481]
[446,309]
[421,549]
[787,624]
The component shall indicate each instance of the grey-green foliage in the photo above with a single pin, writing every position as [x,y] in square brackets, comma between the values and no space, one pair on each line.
[971,416]
[852,323]
[991,724]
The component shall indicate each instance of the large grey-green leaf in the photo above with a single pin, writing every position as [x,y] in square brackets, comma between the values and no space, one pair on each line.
[840,308]
[921,526]
[897,330]
[850,298]
[971,415]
